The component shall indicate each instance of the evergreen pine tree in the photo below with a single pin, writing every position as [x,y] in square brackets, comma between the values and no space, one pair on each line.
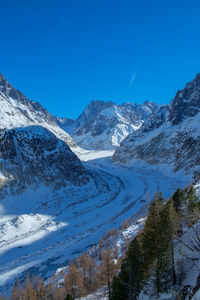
[166,276]
[120,286]
[158,235]
[128,283]
[68,297]
[192,200]
[177,199]
[151,233]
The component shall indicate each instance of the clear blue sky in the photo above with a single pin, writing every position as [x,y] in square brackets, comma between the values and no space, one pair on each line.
[64,53]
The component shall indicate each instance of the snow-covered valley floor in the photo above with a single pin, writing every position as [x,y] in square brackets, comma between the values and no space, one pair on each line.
[40,230]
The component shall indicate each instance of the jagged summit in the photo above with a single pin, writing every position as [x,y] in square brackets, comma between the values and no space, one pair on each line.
[17,111]
[103,125]
[97,105]
[7,89]
[186,102]
[29,142]
[170,136]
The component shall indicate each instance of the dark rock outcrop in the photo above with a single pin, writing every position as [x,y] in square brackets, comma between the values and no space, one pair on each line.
[32,156]
[186,102]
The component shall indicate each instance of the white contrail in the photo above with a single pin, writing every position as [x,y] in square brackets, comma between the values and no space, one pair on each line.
[132,79]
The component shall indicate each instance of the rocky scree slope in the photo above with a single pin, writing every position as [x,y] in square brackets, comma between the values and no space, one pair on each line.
[103,125]
[171,135]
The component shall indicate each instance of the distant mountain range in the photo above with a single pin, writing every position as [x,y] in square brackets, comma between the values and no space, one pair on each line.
[103,125]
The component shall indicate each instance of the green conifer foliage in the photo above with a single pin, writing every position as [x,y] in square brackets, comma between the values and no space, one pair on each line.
[151,254]
[120,284]
[68,297]
[127,284]
[177,198]
[191,200]
[166,276]
[151,234]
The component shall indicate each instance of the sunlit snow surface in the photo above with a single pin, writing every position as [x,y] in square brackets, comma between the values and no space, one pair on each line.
[41,229]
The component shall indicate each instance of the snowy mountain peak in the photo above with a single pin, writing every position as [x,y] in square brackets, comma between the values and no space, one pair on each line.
[103,125]
[98,105]
[17,111]
[186,102]
[7,89]
[32,142]
[170,136]
[94,108]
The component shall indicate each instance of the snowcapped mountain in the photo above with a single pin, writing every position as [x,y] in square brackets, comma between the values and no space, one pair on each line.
[170,136]
[33,148]
[103,125]
[17,111]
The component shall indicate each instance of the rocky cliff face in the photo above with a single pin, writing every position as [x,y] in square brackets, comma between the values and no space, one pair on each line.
[32,156]
[170,136]
[34,150]
[103,125]
[186,103]
[17,111]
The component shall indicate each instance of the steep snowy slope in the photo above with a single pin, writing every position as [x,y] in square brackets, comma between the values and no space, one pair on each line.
[17,111]
[103,125]
[171,136]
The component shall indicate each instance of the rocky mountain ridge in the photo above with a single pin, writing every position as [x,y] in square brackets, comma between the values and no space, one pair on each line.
[34,150]
[103,125]
[17,111]
[31,156]
[170,136]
